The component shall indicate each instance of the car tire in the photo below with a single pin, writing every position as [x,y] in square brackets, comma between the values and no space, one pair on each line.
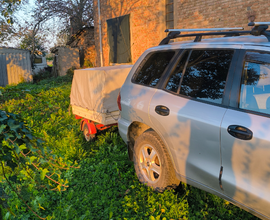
[87,135]
[152,162]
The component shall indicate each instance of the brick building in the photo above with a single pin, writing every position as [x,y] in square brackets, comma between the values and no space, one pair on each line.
[129,27]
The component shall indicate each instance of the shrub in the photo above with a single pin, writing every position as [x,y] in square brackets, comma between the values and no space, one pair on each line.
[70,73]
[24,163]
[43,74]
[87,64]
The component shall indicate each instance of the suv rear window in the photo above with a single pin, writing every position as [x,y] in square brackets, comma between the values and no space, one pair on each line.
[206,74]
[153,68]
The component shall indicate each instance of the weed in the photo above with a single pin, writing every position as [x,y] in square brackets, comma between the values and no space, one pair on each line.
[43,74]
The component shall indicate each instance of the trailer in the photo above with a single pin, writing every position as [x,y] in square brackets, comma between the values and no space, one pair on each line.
[93,97]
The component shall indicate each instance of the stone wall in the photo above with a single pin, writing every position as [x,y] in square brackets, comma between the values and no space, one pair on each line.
[65,58]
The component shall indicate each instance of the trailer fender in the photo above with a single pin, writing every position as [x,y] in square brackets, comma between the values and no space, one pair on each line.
[91,126]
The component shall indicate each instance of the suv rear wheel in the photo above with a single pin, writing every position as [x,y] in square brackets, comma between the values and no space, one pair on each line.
[152,162]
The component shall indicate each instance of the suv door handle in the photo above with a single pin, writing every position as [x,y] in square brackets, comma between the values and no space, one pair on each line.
[240,132]
[162,110]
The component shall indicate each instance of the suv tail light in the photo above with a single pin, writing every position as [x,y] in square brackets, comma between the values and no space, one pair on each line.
[119,102]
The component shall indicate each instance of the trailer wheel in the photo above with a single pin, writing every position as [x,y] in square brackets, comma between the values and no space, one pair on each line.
[86,133]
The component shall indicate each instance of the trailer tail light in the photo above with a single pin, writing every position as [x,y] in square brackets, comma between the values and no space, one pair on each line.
[119,102]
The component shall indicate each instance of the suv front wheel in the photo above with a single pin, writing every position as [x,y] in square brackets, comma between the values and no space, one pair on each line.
[152,162]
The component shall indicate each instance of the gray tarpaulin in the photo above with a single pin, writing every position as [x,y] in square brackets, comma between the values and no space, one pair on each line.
[97,89]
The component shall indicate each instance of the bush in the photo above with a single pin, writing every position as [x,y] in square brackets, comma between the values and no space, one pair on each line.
[25,164]
[70,72]
[43,74]
[87,64]
[49,57]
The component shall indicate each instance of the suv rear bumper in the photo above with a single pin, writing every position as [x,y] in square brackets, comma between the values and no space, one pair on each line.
[123,126]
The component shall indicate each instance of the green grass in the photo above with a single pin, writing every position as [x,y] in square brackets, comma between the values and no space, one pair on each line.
[105,186]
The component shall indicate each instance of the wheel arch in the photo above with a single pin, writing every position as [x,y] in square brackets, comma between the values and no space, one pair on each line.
[91,126]
[135,130]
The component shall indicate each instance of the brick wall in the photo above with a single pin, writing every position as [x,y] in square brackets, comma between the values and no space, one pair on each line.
[147,19]
[219,13]
[147,24]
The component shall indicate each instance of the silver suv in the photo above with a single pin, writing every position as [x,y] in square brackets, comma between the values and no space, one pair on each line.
[199,112]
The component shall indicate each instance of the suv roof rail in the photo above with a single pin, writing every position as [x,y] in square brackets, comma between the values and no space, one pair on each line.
[259,29]
[204,29]
[258,23]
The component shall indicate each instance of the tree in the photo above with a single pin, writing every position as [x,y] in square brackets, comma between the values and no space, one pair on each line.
[67,15]
[74,14]
[7,8]
[32,39]
[32,32]
[62,38]
[71,15]
[27,43]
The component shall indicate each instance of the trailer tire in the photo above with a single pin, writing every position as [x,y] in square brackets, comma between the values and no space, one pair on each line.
[86,133]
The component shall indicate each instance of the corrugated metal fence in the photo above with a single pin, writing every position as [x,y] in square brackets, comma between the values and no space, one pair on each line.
[15,66]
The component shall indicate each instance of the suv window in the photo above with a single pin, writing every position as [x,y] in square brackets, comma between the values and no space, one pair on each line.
[205,75]
[255,83]
[174,80]
[152,69]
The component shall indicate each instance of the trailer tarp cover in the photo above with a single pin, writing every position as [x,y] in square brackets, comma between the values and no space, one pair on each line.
[97,89]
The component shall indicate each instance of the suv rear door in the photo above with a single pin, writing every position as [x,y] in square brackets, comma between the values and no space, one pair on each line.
[137,91]
[188,110]
[245,134]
